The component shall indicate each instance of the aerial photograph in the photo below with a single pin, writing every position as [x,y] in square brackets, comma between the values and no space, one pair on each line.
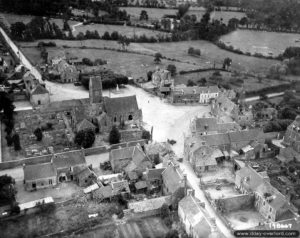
[149,118]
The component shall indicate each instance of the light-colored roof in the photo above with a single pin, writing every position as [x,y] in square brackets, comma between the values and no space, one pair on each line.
[39,171]
[34,203]
[85,125]
[91,188]
[149,204]
[140,185]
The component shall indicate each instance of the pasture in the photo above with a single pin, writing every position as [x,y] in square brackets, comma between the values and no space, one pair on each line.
[266,43]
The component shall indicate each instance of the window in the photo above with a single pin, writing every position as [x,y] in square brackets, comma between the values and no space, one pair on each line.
[39,102]
[115,119]
[130,117]
[50,181]
[264,203]
[270,209]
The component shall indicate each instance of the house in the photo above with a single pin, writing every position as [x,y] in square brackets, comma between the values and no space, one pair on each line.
[162,80]
[203,158]
[211,125]
[39,176]
[195,218]
[292,135]
[84,176]
[174,183]
[194,94]
[224,106]
[39,96]
[67,73]
[154,178]
[129,159]
[118,111]
[269,202]
[67,163]
[141,186]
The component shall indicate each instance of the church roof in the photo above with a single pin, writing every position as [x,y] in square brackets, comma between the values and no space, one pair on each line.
[39,90]
[85,124]
[120,105]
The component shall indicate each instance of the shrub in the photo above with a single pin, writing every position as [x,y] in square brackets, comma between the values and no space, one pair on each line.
[146,135]
[191,83]
[85,138]
[38,133]
[114,136]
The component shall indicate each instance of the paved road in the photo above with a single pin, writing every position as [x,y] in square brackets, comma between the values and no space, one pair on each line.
[194,183]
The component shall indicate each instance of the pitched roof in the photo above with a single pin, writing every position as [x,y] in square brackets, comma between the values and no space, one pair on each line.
[154,174]
[253,180]
[172,178]
[211,124]
[196,90]
[149,204]
[95,82]
[120,186]
[85,125]
[207,157]
[216,139]
[39,90]
[69,159]
[120,105]
[39,171]
[196,216]
[84,173]
[245,135]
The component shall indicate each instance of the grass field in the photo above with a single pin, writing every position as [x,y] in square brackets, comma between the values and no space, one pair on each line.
[210,53]
[266,43]
[123,30]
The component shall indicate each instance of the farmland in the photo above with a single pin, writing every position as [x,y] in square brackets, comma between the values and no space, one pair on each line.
[210,54]
[266,43]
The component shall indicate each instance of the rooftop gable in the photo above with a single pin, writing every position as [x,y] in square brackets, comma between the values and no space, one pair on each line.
[68,159]
[39,171]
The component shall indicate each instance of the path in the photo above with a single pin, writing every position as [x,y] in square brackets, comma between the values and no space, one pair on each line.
[271,95]
[78,24]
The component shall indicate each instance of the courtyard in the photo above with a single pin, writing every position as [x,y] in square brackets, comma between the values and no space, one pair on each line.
[223,173]
[221,191]
[243,220]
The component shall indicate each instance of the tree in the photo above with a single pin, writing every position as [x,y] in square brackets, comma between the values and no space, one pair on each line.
[114,136]
[157,58]
[144,15]
[172,234]
[226,63]
[124,42]
[106,36]
[38,134]
[114,35]
[146,135]
[190,83]
[149,75]
[172,69]
[85,138]
[202,81]
[66,26]
[6,104]
[7,189]
[16,141]
[17,30]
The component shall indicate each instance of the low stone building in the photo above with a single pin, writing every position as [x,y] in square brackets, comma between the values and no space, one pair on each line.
[39,176]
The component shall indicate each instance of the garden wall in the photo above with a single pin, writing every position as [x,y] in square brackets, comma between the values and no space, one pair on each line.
[238,202]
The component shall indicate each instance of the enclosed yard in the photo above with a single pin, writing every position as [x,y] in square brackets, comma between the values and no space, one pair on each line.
[242,220]
[224,191]
[266,43]
[221,174]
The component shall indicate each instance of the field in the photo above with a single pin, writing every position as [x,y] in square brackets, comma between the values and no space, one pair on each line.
[13,18]
[266,43]
[157,13]
[123,30]
[210,54]
[153,13]
[151,227]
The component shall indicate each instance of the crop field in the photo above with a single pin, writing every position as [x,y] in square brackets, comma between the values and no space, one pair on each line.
[123,30]
[266,43]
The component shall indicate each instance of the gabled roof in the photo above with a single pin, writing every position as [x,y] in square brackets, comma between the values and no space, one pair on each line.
[149,204]
[196,216]
[39,90]
[85,125]
[245,135]
[39,171]
[173,178]
[154,174]
[68,159]
[120,105]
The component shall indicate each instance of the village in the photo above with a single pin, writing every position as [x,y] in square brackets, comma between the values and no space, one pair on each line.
[87,151]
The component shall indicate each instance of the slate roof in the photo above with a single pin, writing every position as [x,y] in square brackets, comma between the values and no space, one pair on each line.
[120,105]
[39,90]
[209,158]
[172,178]
[39,171]
[211,124]
[69,159]
[84,173]
[85,125]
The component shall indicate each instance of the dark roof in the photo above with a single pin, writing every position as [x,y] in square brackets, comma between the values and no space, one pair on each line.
[172,178]
[69,159]
[39,90]
[120,105]
[39,171]
[84,173]
[85,125]
[154,174]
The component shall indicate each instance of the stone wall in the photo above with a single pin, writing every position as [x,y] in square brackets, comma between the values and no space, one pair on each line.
[239,202]
[130,135]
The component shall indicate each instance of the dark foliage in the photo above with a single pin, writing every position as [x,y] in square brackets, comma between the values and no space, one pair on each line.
[114,136]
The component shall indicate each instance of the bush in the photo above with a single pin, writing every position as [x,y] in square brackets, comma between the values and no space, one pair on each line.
[114,136]
[38,133]
[87,62]
[85,138]
[146,135]
[168,222]
[191,83]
